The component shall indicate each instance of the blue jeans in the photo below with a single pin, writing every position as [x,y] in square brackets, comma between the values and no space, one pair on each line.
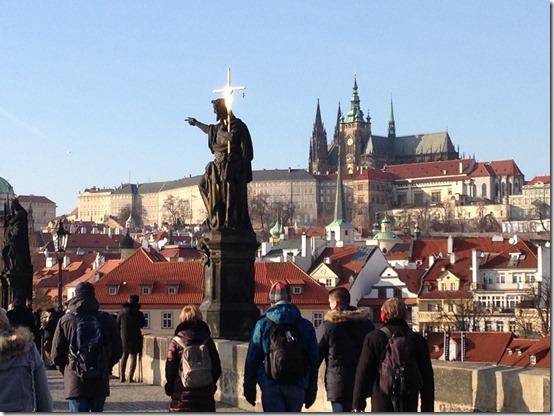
[95,404]
[341,407]
[282,398]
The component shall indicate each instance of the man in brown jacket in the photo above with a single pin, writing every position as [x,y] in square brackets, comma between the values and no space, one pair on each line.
[85,394]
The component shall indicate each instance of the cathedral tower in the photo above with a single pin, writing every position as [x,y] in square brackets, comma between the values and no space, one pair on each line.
[318,146]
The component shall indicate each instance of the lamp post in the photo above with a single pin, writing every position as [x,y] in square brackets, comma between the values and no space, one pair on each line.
[60,237]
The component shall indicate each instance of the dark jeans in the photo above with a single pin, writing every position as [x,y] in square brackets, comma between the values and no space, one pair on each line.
[124,365]
[95,404]
[339,407]
[282,398]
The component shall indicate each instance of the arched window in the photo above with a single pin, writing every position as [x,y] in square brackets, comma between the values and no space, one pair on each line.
[510,188]
[484,190]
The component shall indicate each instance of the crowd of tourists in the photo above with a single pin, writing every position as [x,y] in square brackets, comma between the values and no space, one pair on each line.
[391,365]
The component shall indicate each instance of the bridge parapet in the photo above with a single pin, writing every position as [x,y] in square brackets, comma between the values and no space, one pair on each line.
[459,386]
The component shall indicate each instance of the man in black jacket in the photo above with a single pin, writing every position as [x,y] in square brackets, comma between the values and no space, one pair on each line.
[393,313]
[130,320]
[340,338]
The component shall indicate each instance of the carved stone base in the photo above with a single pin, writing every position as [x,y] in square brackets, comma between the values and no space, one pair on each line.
[228,284]
[12,284]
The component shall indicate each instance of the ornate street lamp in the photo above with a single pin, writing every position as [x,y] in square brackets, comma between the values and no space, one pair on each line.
[60,237]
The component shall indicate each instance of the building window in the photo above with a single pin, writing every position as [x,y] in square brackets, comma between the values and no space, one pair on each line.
[381,293]
[528,327]
[512,326]
[171,290]
[501,278]
[529,277]
[167,320]
[443,286]
[328,282]
[499,326]
[397,293]
[488,326]
[146,319]
[452,286]
[450,307]
[429,307]
[297,290]
[145,290]
[516,278]
[112,290]
[435,197]
[317,318]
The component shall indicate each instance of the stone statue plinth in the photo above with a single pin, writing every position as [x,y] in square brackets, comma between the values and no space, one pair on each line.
[14,284]
[228,283]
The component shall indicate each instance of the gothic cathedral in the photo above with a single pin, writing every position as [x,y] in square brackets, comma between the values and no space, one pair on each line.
[355,147]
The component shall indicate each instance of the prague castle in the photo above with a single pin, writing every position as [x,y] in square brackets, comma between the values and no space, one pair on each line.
[356,147]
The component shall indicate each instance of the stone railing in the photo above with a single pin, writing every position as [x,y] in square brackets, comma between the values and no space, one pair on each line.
[459,387]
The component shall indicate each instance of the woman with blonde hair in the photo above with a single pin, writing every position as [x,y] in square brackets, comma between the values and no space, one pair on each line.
[22,373]
[192,331]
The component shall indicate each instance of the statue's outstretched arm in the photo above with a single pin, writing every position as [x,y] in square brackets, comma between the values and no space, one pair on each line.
[193,122]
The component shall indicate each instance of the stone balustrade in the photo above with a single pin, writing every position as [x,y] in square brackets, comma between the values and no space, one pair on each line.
[459,386]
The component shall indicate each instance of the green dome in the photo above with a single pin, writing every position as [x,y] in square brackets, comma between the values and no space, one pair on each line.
[5,187]
[276,230]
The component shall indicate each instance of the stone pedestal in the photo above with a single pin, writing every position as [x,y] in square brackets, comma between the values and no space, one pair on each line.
[12,284]
[228,284]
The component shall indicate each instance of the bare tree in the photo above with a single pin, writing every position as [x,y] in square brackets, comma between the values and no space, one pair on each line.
[177,211]
[283,210]
[138,213]
[461,313]
[258,207]
[541,212]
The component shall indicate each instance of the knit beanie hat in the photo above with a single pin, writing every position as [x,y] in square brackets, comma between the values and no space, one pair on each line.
[84,289]
[280,291]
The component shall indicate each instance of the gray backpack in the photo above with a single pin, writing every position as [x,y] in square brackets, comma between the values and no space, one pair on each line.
[195,368]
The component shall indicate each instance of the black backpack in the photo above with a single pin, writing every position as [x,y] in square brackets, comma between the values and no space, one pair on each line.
[286,360]
[88,350]
[399,374]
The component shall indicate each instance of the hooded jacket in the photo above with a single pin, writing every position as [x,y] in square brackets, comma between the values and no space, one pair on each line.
[65,331]
[186,399]
[341,336]
[254,370]
[130,320]
[367,373]
[18,356]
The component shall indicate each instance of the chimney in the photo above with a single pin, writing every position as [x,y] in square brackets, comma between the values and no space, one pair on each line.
[450,244]
[452,258]
[475,255]
[461,167]
[66,261]
[431,261]
[304,240]
[265,248]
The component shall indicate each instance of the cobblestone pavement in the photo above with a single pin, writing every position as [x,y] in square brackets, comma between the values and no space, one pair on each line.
[124,397]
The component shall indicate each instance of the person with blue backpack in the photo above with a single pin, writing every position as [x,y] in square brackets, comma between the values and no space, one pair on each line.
[282,357]
[395,366]
[86,346]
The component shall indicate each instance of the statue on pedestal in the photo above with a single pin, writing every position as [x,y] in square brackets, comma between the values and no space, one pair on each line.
[15,250]
[224,185]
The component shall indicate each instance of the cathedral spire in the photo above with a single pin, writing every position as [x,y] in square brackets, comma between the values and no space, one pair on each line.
[318,145]
[355,114]
[340,205]
[392,127]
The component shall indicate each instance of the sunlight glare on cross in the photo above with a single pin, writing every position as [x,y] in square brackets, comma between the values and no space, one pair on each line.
[228,91]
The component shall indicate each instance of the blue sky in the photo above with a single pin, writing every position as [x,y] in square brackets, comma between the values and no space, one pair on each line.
[95,93]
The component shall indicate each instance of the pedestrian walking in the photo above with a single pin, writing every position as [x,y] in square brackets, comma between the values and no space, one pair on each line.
[22,373]
[288,384]
[367,382]
[130,320]
[340,337]
[48,327]
[192,392]
[85,347]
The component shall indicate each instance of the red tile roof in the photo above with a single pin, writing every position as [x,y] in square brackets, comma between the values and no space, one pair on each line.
[502,260]
[544,179]
[486,347]
[143,268]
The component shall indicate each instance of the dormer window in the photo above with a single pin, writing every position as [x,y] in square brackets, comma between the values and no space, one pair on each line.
[297,289]
[533,359]
[112,290]
[172,290]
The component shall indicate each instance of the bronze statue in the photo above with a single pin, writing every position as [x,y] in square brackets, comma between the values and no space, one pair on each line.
[15,251]
[224,185]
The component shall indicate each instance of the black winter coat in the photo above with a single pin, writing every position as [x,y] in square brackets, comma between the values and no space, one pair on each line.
[367,373]
[186,399]
[130,320]
[65,331]
[340,338]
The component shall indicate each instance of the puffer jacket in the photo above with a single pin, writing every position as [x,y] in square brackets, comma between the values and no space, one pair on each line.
[65,331]
[18,355]
[187,399]
[254,370]
[367,373]
[341,336]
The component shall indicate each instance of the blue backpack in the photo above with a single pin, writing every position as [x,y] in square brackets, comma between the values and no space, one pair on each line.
[88,350]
